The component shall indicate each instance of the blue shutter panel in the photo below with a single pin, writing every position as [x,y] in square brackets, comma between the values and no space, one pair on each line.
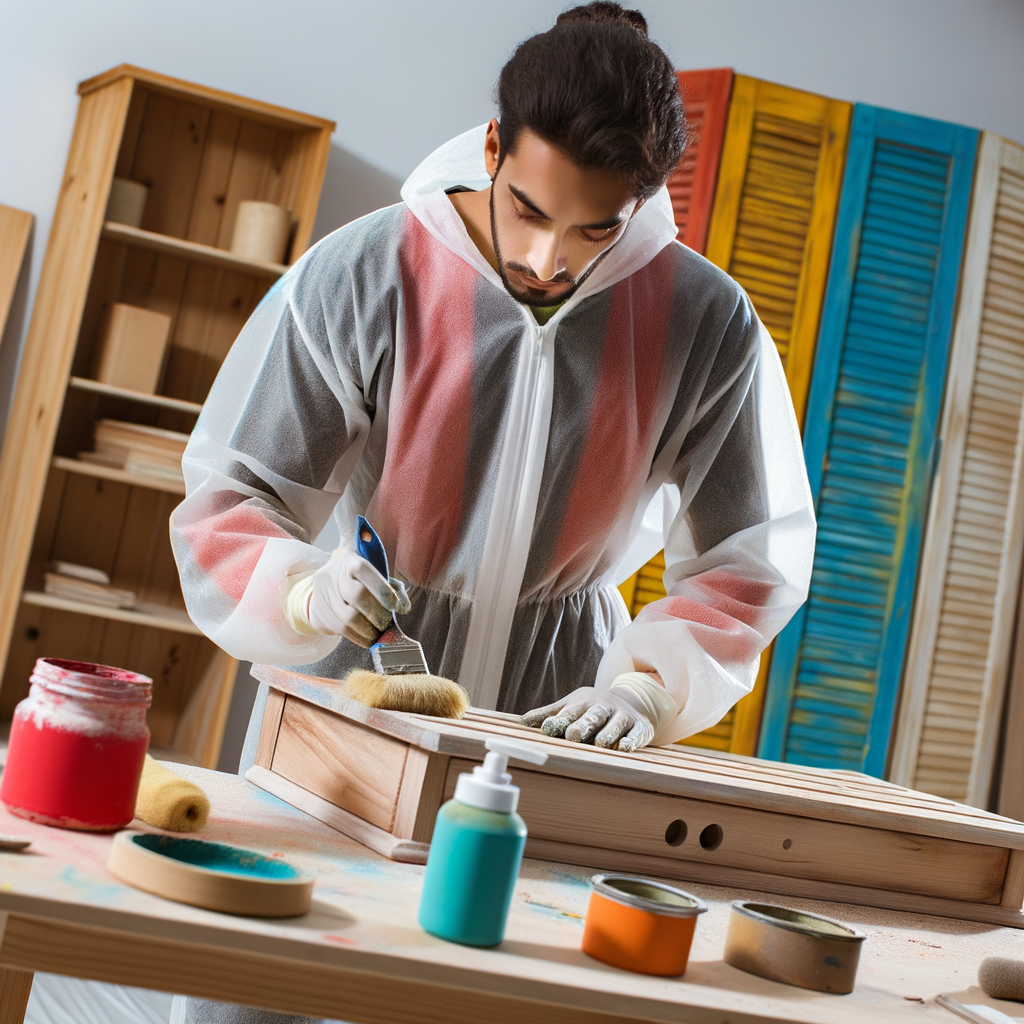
[869,437]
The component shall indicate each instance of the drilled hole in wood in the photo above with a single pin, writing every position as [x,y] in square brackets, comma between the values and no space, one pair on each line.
[787,843]
[675,834]
[711,837]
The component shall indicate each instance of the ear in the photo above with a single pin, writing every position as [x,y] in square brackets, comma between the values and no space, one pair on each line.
[492,149]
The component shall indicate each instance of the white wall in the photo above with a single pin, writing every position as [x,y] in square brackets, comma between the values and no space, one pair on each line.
[401,76]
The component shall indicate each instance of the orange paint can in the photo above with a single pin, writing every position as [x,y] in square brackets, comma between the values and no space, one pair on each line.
[640,925]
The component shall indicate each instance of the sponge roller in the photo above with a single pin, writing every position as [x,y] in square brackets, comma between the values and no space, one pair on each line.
[170,802]
[1002,978]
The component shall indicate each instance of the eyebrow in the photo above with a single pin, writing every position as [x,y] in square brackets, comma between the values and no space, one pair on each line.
[611,222]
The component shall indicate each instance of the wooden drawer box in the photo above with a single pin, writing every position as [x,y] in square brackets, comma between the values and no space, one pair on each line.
[380,777]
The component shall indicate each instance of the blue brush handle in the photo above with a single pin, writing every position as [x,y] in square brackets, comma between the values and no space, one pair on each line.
[368,546]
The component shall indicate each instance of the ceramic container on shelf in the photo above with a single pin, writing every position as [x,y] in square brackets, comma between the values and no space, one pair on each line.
[261,231]
[77,745]
[127,202]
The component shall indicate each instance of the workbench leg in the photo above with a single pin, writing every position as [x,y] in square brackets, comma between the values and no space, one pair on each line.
[15,988]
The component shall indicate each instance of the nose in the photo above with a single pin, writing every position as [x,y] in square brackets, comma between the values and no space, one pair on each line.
[547,256]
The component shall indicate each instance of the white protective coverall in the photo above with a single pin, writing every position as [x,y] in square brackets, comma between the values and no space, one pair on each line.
[515,472]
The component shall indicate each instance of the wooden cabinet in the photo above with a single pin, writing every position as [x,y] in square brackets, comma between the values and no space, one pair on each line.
[870,437]
[961,636]
[200,152]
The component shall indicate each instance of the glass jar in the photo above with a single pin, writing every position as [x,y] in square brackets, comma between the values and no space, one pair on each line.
[77,745]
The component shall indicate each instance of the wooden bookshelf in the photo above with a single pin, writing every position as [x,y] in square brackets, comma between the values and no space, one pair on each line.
[200,152]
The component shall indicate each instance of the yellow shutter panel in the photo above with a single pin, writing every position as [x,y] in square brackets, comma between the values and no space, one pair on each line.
[775,211]
[962,631]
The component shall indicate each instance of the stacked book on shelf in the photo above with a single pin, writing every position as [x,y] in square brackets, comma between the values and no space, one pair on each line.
[135,448]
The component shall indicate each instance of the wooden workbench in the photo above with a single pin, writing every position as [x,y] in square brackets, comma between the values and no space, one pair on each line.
[360,956]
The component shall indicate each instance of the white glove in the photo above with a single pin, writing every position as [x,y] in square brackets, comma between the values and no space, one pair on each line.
[346,597]
[629,714]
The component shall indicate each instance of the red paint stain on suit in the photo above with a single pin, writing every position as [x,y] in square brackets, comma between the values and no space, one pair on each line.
[418,507]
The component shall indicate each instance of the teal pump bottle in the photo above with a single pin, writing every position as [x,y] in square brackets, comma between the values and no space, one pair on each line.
[476,851]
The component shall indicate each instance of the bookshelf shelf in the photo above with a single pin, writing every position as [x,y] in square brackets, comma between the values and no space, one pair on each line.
[208,254]
[110,391]
[153,482]
[143,614]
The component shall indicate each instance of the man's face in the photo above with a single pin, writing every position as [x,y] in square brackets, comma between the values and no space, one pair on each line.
[551,221]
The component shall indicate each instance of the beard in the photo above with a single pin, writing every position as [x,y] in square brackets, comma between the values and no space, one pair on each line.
[534,296]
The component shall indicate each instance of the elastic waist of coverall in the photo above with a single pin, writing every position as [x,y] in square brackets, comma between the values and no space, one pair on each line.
[576,597]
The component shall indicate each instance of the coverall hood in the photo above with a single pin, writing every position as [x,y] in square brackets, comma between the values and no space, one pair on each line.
[461,162]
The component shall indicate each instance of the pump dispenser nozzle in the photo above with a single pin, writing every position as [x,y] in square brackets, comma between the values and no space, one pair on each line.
[490,786]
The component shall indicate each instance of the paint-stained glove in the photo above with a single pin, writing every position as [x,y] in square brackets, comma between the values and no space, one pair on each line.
[346,597]
[629,714]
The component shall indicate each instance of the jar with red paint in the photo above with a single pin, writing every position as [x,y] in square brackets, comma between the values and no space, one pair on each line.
[77,745]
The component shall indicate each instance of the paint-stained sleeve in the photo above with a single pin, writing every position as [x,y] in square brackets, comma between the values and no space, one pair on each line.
[280,433]
[739,551]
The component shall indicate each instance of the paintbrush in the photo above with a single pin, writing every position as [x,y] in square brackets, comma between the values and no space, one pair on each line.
[402,681]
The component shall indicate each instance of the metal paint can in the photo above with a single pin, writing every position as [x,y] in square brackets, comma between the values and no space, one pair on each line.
[792,946]
[640,925]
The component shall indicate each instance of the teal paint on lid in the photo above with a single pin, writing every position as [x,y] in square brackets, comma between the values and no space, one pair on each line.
[231,860]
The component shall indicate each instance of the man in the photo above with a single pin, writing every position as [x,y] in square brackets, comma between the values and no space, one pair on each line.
[528,387]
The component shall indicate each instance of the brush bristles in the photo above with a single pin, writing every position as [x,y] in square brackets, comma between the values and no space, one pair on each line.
[419,694]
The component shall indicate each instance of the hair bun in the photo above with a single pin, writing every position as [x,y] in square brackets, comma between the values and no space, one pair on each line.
[604,10]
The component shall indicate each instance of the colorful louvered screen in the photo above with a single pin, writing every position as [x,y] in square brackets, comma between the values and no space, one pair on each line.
[870,437]
[692,188]
[962,634]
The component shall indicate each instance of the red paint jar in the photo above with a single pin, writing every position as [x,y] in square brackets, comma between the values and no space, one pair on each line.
[77,744]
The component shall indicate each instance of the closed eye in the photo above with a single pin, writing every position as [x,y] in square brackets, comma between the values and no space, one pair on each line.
[598,234]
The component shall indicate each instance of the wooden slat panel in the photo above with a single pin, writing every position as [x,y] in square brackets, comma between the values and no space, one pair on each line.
[15,227]
[870,437]
[692,188]
[949,721]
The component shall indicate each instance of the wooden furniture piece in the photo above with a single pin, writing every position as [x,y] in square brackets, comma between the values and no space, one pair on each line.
[201,152]
[360,956]
[380,777]
[870,438]
[15,228]
[960,639]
